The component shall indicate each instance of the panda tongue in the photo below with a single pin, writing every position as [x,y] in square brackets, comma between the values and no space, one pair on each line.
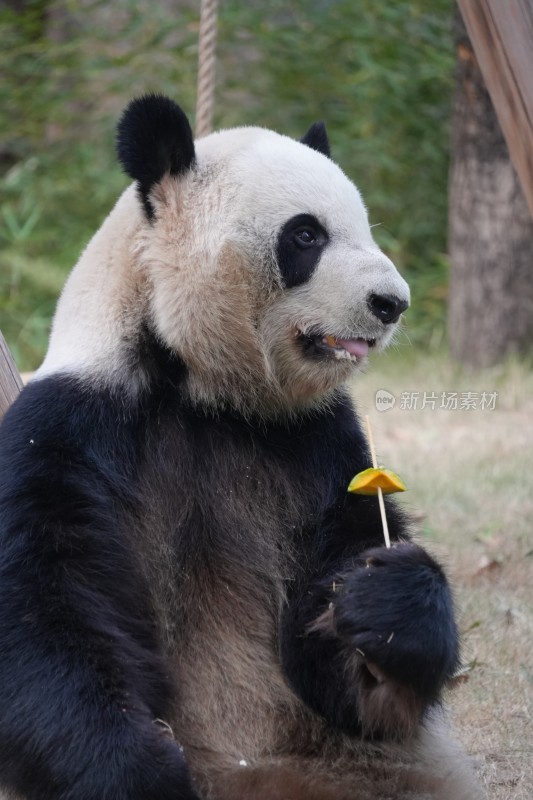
[356,347]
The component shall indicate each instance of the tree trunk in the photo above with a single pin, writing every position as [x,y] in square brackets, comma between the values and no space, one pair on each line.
[10,380]
[490,228]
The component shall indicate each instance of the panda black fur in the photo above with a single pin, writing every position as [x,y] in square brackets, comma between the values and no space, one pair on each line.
[192,606]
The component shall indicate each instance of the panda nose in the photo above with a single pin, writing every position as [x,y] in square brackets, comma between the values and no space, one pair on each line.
[386,307]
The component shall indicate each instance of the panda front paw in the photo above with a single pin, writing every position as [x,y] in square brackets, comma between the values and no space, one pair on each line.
[394,615]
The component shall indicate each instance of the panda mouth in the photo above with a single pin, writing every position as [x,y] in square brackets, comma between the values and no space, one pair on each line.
[353,350]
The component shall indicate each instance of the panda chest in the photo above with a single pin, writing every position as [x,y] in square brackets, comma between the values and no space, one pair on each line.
[218,523]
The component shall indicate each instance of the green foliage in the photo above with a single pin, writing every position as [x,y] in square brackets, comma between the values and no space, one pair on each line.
[69,70]
[380,74]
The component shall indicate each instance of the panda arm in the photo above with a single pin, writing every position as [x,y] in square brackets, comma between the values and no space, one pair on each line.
[368,634]
[81,680]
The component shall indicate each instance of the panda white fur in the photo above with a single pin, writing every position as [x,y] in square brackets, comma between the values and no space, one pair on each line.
[192,605]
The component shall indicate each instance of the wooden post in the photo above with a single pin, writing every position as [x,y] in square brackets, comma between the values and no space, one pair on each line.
[501,32]
[10,380]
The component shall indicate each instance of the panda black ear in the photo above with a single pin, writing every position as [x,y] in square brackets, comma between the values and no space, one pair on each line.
[154,139]
[317,138]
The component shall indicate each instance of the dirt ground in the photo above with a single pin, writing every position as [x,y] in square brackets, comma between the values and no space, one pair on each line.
[469,473]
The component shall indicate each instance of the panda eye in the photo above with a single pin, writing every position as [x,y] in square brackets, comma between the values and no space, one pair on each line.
[305,237]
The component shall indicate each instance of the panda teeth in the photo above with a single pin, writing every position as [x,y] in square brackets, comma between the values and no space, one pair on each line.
[339,352]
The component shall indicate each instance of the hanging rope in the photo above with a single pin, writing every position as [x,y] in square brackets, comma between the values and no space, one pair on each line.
[206,67]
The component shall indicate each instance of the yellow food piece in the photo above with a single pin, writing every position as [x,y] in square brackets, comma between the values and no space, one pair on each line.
[370,480]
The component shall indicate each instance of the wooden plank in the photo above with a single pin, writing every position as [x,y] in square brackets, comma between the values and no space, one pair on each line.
[10,380]
[502,37]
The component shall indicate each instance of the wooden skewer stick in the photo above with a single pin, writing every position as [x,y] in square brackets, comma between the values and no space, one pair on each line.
[380,493]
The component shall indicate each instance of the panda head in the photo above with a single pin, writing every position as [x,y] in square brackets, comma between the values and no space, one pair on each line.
[253,260]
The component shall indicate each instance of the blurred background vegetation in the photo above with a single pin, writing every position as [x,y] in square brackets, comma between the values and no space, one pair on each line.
[380,74]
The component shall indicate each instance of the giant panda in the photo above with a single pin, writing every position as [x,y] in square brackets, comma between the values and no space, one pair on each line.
[192,606]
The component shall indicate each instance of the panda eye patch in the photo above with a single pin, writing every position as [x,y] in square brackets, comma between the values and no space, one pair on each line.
[300,244]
